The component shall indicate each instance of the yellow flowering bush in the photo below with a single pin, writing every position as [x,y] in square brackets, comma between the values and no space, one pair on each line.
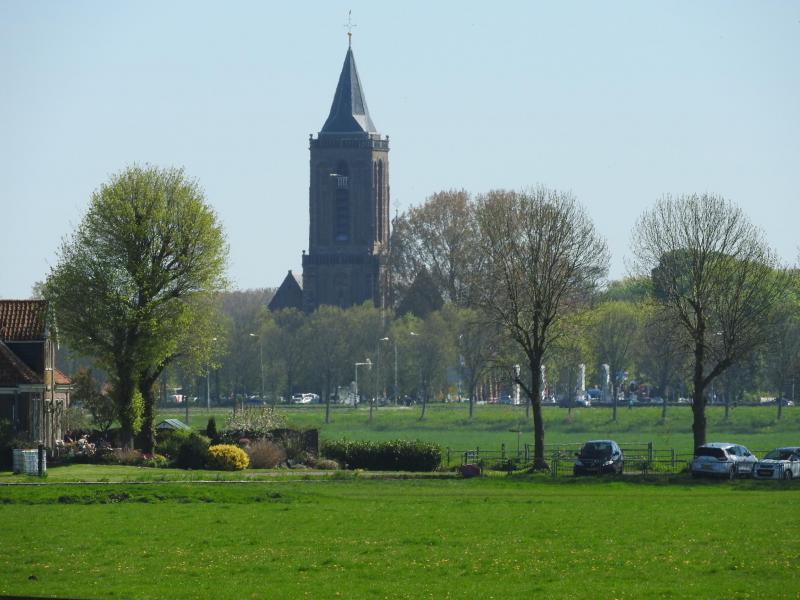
[227,457]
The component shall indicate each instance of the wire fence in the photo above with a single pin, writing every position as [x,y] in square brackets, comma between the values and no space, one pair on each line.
[639,458]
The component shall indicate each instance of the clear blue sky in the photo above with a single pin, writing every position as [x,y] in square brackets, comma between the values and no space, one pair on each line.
[619,102]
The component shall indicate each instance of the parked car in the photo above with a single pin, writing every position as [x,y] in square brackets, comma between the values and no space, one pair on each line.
[306,398]
[722,460]
[599,456]
[781,463]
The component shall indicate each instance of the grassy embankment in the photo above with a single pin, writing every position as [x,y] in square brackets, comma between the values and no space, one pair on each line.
[488,538]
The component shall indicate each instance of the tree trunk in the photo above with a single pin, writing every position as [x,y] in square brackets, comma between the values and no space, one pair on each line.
[471,398]
[147,387]
[535,401]
[664,407]
[147,435]
[128,410]
[424,405]
[613,402]
[698,399]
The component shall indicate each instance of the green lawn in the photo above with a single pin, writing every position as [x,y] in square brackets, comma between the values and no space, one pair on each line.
[448,425]
[483,538]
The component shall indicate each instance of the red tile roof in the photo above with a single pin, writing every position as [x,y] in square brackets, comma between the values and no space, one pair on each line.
[22,319]
[62,379]
[13,371]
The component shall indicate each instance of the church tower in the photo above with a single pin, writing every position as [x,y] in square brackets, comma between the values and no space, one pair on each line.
[348,239]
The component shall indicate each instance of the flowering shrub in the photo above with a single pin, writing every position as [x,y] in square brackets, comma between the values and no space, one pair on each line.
[254,422]
[227,457]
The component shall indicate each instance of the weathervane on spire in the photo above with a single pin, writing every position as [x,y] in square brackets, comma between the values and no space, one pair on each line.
[350,26]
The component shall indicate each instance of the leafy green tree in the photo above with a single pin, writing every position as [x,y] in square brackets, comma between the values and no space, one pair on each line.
[245,322]
[614,330]
[285,347]
[86,390]
[129,283]
[326,334]
[783,351]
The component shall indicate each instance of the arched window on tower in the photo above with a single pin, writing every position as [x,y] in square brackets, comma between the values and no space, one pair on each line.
[341,207]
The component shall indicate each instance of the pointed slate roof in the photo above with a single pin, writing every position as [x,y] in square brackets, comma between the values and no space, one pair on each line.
[349,113]
[422,298]
[289,294]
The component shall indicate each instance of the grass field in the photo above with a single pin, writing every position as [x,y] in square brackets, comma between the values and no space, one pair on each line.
[159,533]
[448,425]
[483,538]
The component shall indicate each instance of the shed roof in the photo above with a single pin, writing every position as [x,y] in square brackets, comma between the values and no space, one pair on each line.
[172,424]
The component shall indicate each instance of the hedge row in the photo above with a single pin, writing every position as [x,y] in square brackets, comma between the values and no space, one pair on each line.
[395,455]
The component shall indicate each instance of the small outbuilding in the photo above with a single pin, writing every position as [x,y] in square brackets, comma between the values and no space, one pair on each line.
[173,425]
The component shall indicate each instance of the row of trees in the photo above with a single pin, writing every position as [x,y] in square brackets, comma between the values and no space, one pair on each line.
[531,262]
[139,288]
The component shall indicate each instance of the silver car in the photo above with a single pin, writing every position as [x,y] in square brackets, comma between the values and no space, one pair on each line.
[781,463]
[722,460]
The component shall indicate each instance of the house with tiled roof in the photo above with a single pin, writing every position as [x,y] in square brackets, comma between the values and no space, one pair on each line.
[34,394]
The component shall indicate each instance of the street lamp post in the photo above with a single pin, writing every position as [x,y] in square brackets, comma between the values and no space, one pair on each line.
[208,383]
[367,363]
[260,361]
[394,342]
[421,389]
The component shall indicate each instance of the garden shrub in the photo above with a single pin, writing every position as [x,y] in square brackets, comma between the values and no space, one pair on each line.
[227,457]
[394,455]
[125,456]
[265,454]
[193,453]
[211,430]
[157,461]
[169,441]
[326,464]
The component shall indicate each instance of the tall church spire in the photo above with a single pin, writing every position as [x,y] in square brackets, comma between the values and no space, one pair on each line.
[349,113]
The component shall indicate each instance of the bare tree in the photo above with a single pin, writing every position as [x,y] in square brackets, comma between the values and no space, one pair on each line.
[477,345]
[661,353]
[543,259]
[713,276]
[613,334]
[440,237]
